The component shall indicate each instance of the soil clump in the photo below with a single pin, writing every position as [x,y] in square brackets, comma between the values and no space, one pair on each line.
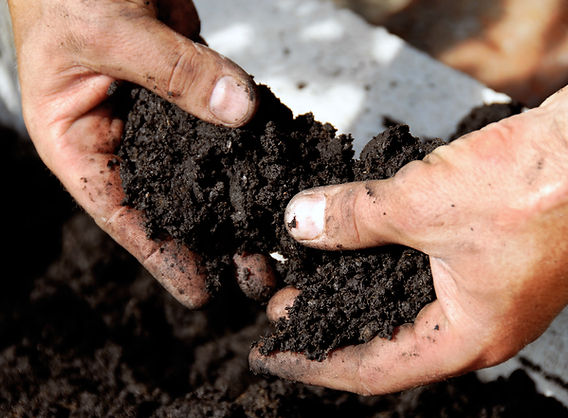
[202,183]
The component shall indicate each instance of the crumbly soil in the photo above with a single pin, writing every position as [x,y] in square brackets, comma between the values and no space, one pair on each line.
[202,183]
[223,191]
[484,115]
[349,297]
[85,331]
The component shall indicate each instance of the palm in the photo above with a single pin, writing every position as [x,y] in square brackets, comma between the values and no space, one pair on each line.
[87,135]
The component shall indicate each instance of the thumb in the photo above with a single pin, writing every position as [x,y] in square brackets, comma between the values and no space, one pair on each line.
[194,77]
[363,214]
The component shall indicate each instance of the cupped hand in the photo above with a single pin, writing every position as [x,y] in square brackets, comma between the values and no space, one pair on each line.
[491,211]
[69,52]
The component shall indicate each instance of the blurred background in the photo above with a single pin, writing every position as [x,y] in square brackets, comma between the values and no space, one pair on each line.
[519,47]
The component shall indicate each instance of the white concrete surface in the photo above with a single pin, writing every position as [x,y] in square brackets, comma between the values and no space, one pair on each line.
[352,74]
[317,58]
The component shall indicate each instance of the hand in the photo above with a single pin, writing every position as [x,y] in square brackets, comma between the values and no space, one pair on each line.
[491,211]
[69,53]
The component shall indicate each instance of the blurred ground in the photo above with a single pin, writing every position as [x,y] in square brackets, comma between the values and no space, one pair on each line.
[519,47]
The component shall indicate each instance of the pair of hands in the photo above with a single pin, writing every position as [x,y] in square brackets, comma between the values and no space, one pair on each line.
[491,209]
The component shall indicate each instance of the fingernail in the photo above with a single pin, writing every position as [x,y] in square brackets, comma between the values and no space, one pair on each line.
[305,216]
[230,100]
[279,303]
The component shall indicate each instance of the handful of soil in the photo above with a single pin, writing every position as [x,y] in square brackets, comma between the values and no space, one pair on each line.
[223,191]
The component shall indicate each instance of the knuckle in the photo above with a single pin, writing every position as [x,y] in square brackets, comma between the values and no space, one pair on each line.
[413,196]
[184,72]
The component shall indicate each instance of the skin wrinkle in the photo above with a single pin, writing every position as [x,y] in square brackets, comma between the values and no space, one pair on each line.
[173,79]
[63,121]
[74,43]
[186,74]
[449,291]
[108,223]
[363,389]
[350,210]
[416,202]
[329,222]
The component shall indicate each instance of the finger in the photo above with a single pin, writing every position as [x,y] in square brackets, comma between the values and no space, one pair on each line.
[279,303]
[255,276]
[199,80]
[347,216]
[84,162]
[407,209]
[178,269]
[428,351]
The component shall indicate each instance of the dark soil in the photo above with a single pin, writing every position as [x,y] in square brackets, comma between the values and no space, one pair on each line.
[222,190]
[349,297]
[202,183]
[484,115]
[85,331]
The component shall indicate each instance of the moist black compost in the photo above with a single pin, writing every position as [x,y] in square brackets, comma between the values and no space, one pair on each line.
[202,183]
